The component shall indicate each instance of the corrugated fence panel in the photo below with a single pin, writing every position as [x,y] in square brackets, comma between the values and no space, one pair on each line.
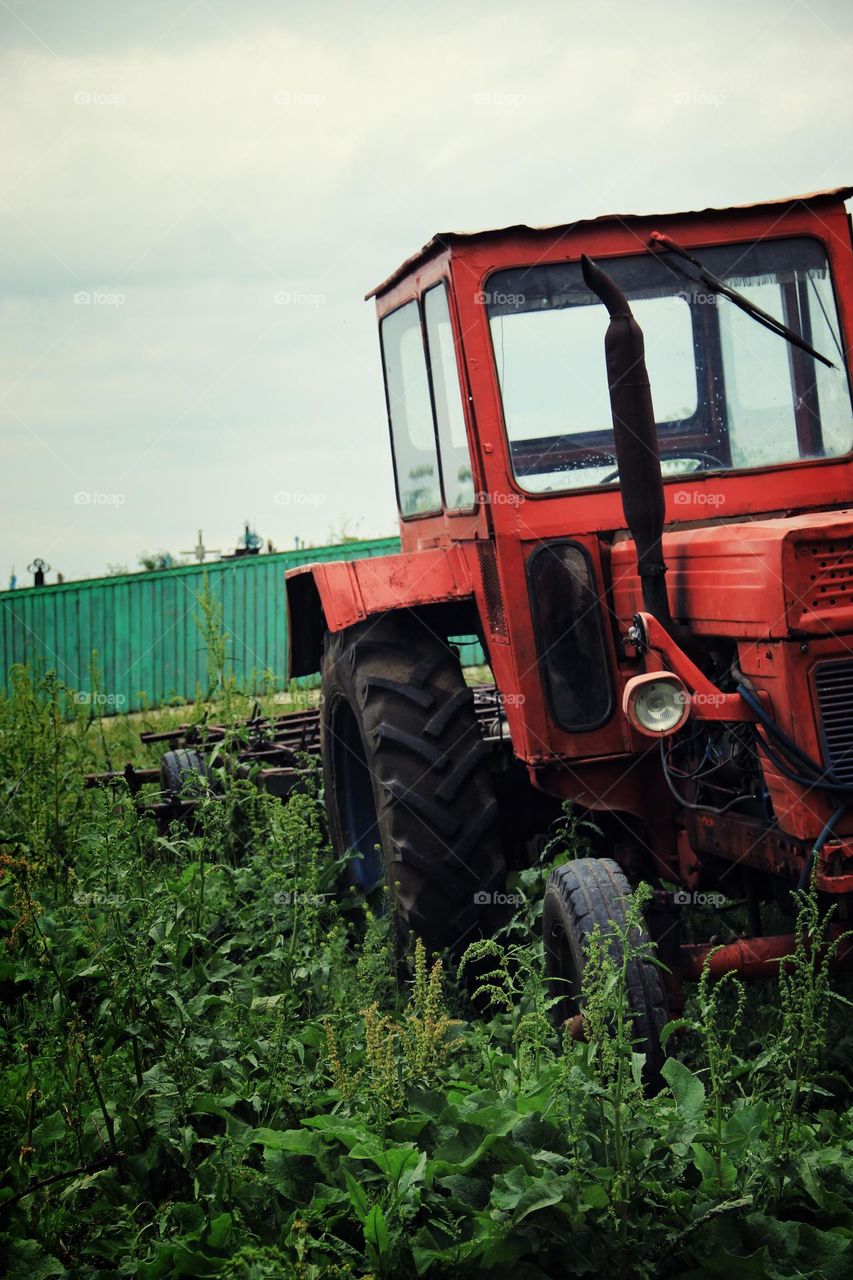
[145,631]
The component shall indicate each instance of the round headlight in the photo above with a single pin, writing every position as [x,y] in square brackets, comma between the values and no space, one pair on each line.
[656,704]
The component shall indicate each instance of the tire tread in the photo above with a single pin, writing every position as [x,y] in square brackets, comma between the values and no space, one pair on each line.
[433,789]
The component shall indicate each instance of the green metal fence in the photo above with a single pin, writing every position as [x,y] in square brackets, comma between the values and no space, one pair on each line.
[144,630]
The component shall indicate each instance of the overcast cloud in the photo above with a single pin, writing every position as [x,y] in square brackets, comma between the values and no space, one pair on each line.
[223,181]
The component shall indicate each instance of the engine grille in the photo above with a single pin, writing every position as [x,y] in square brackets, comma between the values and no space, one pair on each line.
[834,687]
[825,577]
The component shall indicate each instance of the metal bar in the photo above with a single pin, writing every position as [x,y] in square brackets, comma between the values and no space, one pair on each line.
[752,957]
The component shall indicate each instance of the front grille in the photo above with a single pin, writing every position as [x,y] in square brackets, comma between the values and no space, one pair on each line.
[834,687]
[826,575]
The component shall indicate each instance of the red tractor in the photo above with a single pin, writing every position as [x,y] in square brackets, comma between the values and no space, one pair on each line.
[664,594]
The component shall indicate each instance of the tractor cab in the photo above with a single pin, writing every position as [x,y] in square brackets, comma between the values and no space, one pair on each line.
[495,377]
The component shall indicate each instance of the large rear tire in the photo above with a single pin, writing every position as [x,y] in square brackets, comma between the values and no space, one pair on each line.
[579,896]
[405,768]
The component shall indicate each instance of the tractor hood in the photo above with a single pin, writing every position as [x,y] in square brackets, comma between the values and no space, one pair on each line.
[761,579]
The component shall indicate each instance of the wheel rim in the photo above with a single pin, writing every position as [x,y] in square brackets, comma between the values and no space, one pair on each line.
[356,807]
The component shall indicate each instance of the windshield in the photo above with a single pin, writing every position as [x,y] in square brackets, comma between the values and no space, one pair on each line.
[728,393]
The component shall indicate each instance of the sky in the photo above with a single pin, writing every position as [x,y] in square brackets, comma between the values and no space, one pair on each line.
[195,196]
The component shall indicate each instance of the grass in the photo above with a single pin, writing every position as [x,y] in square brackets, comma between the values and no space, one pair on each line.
[209,1067]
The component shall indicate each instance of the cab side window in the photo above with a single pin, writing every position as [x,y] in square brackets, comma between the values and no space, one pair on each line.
[457,478]
[410,412]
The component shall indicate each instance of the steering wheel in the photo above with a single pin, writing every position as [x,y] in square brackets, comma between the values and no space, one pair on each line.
[707,461]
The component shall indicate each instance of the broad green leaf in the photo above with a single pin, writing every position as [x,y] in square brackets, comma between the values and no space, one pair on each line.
[707,1166]
[357,1195]
[376,1235]
[670,1029]
[810,1166]
[84,1183]
[213,1104]
[744,1128]
[687,1089]
[459,1154]
[432,1245]
[52,1129]
[542,1192]
[349,1132]
[190,1261]
[519,1194]
[718,1261]
[267,1004]
[594,1196]
[203,1003]
[219,1231]
[391,1160]
[300,1141]
[280,1172]
[27,1260]
[469,1193]
[430,1103]
[800,1247]
[406,1128]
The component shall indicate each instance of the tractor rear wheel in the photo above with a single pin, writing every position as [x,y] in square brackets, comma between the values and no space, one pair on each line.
[406,770]
[579,896]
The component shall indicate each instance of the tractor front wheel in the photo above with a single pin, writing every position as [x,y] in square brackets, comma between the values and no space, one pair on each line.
[407,779]
[579,896]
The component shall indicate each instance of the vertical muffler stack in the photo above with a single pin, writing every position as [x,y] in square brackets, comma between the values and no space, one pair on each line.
[635,439]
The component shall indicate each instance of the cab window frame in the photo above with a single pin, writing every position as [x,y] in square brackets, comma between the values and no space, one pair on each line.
[419,301]
[719,407]
[462,390]
[436,510]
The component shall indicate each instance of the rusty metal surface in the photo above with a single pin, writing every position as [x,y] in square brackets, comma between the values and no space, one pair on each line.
[751,957]
[349,593]
[743,841]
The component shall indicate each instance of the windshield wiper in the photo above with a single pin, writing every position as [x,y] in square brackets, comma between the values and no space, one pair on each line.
[717,286]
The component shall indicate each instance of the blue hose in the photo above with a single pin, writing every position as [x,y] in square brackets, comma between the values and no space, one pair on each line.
[788,743]
[803,881]
[824,779]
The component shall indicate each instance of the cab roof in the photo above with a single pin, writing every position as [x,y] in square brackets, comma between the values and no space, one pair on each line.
[444,240]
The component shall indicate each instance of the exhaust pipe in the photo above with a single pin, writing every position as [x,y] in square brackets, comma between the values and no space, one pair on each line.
[635,438]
